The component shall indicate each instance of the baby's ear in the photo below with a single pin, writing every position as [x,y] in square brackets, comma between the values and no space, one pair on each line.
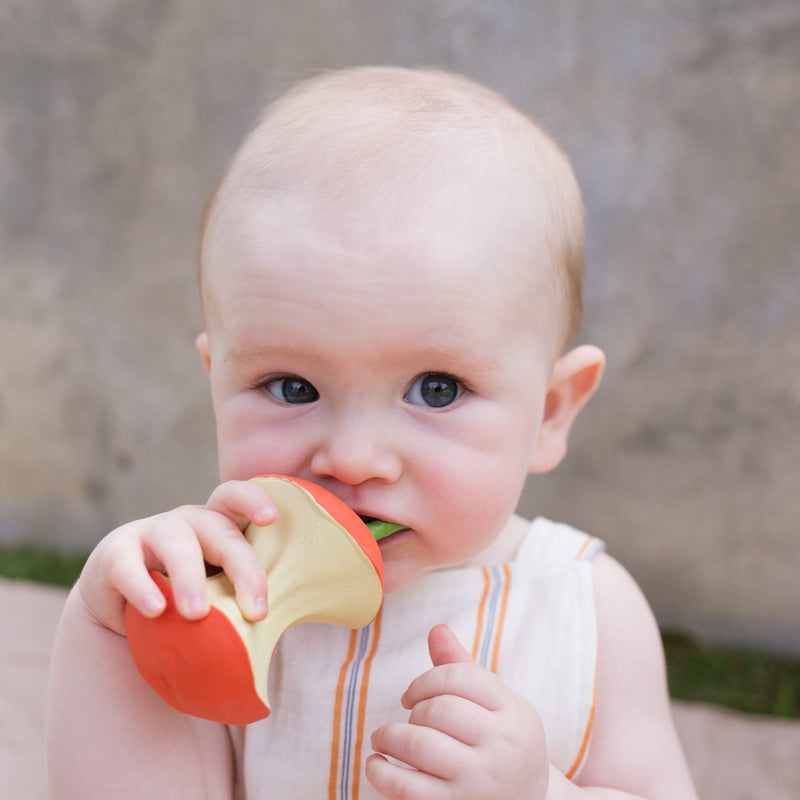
[201,343]
[573,380]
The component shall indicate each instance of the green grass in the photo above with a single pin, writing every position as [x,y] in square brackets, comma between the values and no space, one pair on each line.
[40,564]
[743,680]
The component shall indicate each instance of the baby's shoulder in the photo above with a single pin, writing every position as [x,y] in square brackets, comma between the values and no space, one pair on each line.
[615,587]
[626,624]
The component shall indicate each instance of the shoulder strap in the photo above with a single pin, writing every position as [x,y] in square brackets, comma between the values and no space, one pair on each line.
[556,542]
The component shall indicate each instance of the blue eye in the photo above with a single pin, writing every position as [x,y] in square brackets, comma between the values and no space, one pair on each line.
[435,390]
[292,390]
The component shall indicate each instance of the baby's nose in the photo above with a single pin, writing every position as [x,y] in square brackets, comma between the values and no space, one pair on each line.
[355,451]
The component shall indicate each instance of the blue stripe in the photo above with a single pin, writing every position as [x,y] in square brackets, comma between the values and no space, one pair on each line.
[491,615]
[352,693]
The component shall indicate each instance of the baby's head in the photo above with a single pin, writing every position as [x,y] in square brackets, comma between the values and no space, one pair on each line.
[390,268]
[378,152]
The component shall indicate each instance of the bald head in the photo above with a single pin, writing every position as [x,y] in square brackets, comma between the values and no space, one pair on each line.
[386,143]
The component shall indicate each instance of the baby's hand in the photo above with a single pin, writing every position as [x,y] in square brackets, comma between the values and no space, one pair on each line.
[468,735]
[179,542]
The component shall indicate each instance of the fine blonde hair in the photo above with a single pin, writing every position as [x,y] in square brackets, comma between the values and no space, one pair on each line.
[371,132]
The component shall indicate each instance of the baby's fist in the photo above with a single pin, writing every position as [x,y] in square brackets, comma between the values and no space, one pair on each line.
[468,735]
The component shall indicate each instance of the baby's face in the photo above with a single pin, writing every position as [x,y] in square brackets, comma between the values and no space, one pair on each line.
[405,372]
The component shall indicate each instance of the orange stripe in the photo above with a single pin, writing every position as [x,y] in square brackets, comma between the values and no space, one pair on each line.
[362,705]
[479,626]
[586,736]
[584,548]
[501,621]
[337,716]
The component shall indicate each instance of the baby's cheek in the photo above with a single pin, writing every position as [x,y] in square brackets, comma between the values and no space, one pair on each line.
[247,454]
[487,492]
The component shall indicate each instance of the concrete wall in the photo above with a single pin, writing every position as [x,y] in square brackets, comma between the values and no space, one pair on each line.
[683,122]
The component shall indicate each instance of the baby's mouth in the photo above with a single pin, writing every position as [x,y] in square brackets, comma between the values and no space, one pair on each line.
[380,529]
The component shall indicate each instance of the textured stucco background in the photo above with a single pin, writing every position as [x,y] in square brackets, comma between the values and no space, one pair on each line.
[682,119]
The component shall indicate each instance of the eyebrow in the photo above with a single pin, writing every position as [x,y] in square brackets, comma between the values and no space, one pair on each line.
[243,355]
[483,363]
[480,363]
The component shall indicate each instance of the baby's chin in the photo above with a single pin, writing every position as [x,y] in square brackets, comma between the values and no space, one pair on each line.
[398,573]
[399,570]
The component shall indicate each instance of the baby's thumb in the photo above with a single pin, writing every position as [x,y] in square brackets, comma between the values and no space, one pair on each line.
[444,647]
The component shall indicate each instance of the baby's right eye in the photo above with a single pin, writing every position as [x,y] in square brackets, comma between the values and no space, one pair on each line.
[292,390]
[435,390]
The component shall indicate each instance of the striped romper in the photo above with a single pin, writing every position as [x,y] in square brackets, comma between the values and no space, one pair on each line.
[532,621]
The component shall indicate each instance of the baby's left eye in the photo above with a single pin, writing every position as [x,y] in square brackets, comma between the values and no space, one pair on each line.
[292,390]
[435,390]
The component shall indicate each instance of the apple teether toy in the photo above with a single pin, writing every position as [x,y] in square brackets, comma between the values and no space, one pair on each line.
[323,565]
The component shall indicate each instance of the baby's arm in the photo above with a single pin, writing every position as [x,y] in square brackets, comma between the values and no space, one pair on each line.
[634,746]
[108,733]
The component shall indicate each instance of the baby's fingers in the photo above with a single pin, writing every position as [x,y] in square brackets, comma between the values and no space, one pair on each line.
[425,749]
[117,572]
[114,575]
[181,543]
[227,548]
[455,717]
[465,680]
[172,543]
[132,581]
[395,782]
[242,502]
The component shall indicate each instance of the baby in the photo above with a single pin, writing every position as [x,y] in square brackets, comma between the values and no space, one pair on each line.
[390,272]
